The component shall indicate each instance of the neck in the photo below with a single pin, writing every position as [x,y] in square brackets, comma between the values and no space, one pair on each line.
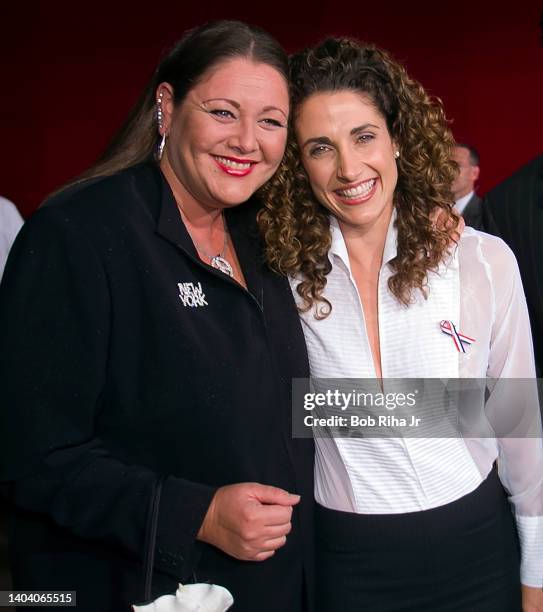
[196,215]
[459,196]
[366,244]
[205,224]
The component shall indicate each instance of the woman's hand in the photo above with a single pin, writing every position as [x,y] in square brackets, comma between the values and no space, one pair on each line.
[532,599]
[248,521]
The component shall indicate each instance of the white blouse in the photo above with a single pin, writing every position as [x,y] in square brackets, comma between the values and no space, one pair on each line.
[480,291]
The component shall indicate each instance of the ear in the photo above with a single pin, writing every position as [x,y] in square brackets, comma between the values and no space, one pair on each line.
[164,100]
[475,171]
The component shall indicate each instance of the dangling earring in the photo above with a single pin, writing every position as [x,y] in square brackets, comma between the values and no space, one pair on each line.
[397,154]
[159,119]
[161,147]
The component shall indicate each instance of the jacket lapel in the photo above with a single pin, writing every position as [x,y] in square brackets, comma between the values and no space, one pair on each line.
[241,223]
[169,223]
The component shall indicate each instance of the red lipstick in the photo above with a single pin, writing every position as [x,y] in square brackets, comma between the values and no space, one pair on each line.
[242,167]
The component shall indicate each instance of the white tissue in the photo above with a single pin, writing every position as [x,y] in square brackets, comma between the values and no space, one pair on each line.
[192,598]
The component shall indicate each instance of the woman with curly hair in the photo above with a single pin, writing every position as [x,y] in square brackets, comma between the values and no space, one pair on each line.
[403,523]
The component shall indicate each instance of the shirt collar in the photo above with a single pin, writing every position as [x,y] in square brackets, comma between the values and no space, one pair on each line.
[338,247]
[461,203]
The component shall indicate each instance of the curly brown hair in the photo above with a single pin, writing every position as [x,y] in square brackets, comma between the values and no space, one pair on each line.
[296,226]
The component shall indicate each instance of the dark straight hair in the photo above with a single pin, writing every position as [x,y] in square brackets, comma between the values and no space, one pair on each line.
[192,56]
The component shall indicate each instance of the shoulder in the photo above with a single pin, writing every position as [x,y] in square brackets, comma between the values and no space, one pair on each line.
[476,200]
[524,176]
[533,168]
[98,211]
[473,212]
[479,248]
[10,220]
[7,205]
[8,210]
[104,197]
[486,248]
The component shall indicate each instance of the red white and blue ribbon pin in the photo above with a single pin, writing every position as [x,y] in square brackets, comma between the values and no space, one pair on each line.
[447,327]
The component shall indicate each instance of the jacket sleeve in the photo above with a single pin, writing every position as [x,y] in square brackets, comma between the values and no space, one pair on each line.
[55,313]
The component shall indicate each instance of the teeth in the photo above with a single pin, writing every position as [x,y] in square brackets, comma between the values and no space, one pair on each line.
[356,192]
[232,164]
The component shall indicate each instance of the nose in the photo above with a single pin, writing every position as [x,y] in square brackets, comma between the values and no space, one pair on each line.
[348,166]
[243,139]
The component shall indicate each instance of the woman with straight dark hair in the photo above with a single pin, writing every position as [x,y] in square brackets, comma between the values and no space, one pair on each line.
[410,517]
[146,369]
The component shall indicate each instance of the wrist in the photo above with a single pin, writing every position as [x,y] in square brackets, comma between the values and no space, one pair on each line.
[203,534]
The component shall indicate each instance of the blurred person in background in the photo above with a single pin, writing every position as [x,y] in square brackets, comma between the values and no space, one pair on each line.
[10,224]
[467,202]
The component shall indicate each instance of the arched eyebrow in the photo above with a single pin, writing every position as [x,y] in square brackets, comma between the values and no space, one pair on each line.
[232,102]
[236,105]
[326,141]
[267,109]
[317,140]
[361,128]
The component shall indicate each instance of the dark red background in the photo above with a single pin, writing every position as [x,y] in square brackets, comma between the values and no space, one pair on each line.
[71,72]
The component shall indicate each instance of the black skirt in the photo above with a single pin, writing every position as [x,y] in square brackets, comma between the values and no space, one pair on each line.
[462,557]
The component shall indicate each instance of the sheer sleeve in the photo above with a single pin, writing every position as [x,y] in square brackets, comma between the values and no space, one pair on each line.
[511,360]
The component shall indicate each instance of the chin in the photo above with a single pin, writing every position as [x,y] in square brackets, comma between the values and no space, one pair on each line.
[229,201]
[237,196]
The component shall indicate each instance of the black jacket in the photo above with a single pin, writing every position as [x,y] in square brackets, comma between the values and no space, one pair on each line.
[514,211]
[472,213]
[126,358]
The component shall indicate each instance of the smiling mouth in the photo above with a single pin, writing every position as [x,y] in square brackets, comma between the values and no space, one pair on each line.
[359,193]
[234,166]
